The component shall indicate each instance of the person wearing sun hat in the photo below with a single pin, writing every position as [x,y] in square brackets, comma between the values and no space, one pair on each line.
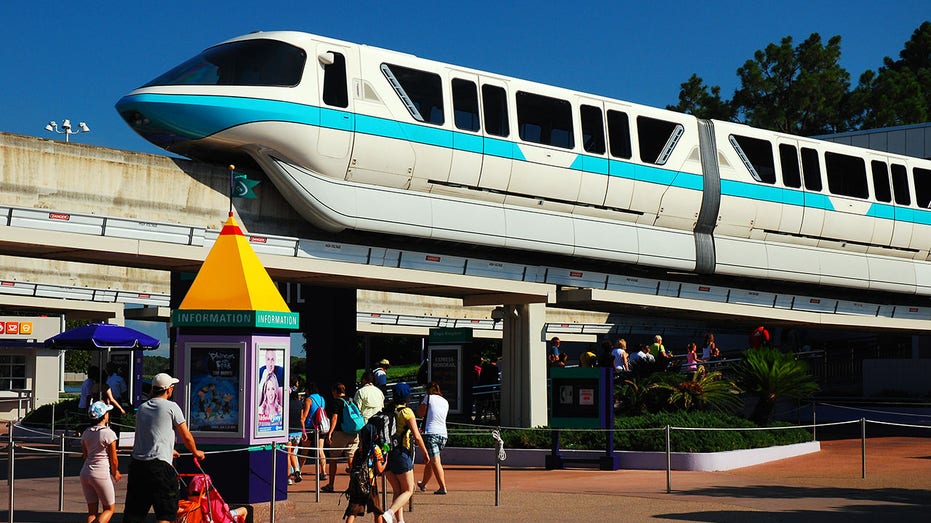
[153,481]
[98,448]
[380,375]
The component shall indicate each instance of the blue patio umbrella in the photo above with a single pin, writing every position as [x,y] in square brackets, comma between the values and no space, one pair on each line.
[102,336]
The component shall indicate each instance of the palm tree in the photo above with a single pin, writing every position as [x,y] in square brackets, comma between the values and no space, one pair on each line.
[701,390]
[771,374]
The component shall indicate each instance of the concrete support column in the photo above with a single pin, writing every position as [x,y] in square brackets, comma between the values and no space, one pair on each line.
[523,380]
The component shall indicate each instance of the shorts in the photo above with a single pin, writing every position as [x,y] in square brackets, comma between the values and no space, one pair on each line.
[341,440]
[154,484]
[400,461]
[98,490]
[435,444]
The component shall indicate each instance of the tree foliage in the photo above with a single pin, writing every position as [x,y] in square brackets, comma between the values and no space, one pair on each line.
[803,90]
[770,374]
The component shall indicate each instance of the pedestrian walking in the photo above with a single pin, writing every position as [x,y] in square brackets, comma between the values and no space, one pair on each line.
[153,481]
[434,410]
[400,470]
[98,449]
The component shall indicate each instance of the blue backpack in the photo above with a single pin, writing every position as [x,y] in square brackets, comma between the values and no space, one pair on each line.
[352,421]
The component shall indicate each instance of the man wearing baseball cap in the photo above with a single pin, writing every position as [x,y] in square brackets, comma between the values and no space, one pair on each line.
[380,375]
[153,481]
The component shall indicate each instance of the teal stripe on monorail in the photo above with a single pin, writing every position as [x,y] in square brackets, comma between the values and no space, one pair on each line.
[199,116]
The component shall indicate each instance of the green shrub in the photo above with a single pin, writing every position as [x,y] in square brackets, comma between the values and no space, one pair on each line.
[69,417]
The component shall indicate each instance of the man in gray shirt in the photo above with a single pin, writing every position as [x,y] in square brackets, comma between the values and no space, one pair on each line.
[153,481]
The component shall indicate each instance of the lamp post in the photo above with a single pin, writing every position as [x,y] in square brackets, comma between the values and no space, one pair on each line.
[66,128]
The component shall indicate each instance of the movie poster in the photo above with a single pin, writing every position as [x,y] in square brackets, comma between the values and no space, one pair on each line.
[215,378]
[270,392]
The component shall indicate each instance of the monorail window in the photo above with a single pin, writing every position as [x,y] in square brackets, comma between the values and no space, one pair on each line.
[900,185]
[619,134]
[593,130]
[922,187]
[495,107]
[248,62]
[811,169]
[881,187]
[788,158]
[420,91]
[658,138]
[846,175]
[757,156]
[545,120]
[335,87]
[465,105]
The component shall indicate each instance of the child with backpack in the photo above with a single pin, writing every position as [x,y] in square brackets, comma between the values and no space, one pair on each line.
[343,437]
[367,465]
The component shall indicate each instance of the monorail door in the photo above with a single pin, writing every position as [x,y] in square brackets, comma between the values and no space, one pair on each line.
[466,166]
[336,65]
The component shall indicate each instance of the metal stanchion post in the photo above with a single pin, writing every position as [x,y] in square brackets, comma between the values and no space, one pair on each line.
[863,447]
[11,469]
[668,461]
[498,473]
[274,473]
[410,501]
[317,450]
[61,474]
[51,436]
[814,421]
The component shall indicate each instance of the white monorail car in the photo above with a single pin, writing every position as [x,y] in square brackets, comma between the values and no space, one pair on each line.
[357,137]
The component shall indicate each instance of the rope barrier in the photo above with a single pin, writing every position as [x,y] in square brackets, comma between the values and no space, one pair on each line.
[874,411]
[899,424]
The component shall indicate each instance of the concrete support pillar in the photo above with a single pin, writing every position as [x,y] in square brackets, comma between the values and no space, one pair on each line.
[523,380]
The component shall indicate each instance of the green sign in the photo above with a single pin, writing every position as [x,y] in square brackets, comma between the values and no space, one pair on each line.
[247,319]
[450,336]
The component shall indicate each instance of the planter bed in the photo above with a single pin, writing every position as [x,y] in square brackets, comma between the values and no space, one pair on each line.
[698,461]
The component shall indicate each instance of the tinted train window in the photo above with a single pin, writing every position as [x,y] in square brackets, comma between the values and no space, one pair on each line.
[335,88]
[420,91]
[846,175]
[922,187]
[788,158]
[757,156]
[811,169]
[593,130]
[495,107]
[900,185]
[619,134]
[881,181]
[657,138]
[465,105]
[250,62]
[541,119]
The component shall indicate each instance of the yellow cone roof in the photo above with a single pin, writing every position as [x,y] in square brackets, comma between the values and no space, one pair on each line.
[233,278]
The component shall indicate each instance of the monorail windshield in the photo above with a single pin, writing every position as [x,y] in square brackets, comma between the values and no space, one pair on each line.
[250,62]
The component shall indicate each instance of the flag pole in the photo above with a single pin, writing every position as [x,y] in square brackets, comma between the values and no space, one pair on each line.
[231,168]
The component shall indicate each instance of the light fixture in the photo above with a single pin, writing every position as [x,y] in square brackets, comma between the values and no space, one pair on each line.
[66,128]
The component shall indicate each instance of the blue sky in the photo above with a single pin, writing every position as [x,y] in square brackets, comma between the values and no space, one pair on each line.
[76,59]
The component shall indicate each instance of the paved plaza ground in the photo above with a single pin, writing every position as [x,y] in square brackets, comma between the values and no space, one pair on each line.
[825,486]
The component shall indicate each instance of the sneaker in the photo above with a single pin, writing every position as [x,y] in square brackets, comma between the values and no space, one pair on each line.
[290,481]
[327,488]
[322,476]
[421,486]
[388,516]
[297,477]
[440,492]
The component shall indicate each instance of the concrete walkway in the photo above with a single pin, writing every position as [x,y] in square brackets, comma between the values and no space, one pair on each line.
[825,486]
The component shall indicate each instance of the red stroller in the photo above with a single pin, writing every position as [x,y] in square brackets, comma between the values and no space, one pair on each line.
[204,503]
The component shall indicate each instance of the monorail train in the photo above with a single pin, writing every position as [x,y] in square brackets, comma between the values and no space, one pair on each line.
[357,137]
